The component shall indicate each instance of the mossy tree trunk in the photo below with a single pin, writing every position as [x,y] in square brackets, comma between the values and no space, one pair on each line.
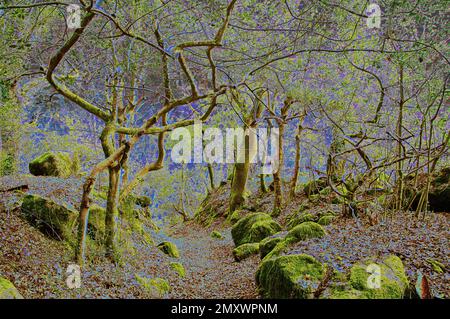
[297,161]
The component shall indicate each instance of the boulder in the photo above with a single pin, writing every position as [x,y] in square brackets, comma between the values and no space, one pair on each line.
[289,276]
[52,164]
[304,217]
[56,221]
[169,249]
[155,287]
[268,244]
[8,291]
[392,283]
[245,250]
[305,231]
[253,228]
[314,187]
[178,268]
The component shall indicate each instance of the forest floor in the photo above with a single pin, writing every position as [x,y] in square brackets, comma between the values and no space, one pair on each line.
[37,264]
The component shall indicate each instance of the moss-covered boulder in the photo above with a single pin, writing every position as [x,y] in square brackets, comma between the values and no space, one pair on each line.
[325,220]
[302,218]
[362,282]
[245,250]
[52,164]
[253,228]
[169,249]
[314,187]
[289,276]
[235,216]
[216,234]
[178,268]
[268,244]
[56,221]
[8,291]
[305,231]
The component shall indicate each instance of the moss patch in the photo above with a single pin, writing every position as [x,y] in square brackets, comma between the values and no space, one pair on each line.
[325,220]
[169,249]
[305,231]
[216,234]
[155,287]
[245,250]
[8,291]
[306,217]
[178,268]
[253,228]
[268,244]
[54,220]
[291,276]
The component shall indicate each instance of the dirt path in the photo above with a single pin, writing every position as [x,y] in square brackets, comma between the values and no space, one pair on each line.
[211,271]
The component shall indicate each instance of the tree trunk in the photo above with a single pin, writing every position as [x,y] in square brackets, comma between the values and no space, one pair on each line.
[297,162]
[277,184]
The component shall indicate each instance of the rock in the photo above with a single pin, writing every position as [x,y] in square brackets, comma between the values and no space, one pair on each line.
[56,221]
[305,231]
[392,285]
[155,287]
[290,276]
[52,164]
[245,250]
[268,244]
[325,220]
[439,195]
[235,216]
[314,187]
[178,268]
[254,228]
[305,217]
[8,291]
[216,234]
[169,249]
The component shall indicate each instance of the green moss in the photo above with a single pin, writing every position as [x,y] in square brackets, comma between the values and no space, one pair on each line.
[253,228]
[436,265]
[216,234]
[280,248]
[178,268]
[393,280]
[96,224]
[291,276]
[305,231]
[268,244]
[54,220]
[155,287]
[52,164]
[169,249]
[235,216]
[8,291]
[245,250]
[325,220]
[306,217]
